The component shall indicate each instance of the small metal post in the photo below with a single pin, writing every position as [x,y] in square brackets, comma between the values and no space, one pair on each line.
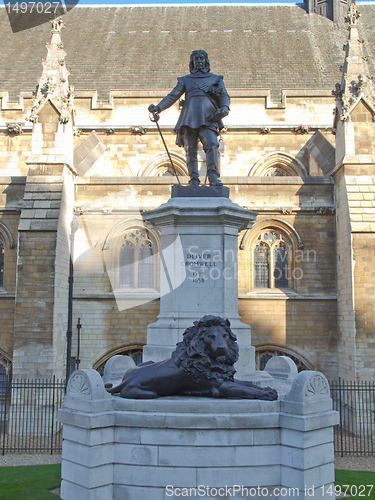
[79,326]
[74,225]
[69,332]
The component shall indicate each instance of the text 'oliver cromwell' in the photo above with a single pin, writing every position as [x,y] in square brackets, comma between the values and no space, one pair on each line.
[206,103]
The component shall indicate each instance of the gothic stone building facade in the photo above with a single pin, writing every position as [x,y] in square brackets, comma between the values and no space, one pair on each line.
[80,161]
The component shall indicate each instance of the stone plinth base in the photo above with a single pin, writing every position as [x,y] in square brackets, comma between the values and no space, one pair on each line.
[201,191]
[117,448]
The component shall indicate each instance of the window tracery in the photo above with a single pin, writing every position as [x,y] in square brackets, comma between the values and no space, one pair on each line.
[272,260]
[136,261]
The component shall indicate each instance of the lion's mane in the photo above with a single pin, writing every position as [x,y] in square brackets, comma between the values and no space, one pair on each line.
[191,353]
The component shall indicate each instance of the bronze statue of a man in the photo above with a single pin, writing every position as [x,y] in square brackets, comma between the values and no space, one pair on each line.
[206,103]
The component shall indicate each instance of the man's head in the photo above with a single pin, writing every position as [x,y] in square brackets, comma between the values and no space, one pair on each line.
[199,61]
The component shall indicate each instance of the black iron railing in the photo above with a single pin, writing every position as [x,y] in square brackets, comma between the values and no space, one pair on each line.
[28,411]
[355,402]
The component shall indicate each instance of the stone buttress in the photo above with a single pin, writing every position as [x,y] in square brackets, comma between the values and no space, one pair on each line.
[45,224]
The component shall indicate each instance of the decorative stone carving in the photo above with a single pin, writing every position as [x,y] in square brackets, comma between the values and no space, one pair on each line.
[301,129]
[338,91]
[14,128]
[53,84]
[352,16]
[355,84]
[63,118]
[57,25]
[4,230]
[138,130]
[77,131]
[265,130]
[325,211]
[316,387]
[78,384]
[85,385]
[360,84]
[6,363]
[309,394]
[110,131]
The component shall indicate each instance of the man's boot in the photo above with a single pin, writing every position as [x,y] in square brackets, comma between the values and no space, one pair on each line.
[191,145]
[211,164]
[194,183]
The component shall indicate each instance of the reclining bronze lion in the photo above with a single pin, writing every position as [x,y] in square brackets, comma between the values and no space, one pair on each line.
[201,365]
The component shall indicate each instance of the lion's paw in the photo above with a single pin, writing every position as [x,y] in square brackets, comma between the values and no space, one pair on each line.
[270,394]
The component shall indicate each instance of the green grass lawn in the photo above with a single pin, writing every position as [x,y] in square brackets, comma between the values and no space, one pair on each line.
[29,482]
[34,482]
[359,483]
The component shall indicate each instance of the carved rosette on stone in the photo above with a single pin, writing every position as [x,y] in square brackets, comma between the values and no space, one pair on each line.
[310,393]
[85,390]
[79,385]
[316,387]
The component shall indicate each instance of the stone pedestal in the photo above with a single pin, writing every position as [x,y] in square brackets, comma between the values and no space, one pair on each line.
[117,448]
[199,271]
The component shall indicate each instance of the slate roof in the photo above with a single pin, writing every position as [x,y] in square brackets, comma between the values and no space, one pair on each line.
[146,47]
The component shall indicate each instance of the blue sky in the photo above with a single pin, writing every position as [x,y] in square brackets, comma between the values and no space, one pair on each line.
[120,2]
[127,2]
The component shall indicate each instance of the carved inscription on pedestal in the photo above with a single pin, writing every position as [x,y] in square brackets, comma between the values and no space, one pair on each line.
[200,266]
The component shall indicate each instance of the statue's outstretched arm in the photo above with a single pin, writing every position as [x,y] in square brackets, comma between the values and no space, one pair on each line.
[169,99]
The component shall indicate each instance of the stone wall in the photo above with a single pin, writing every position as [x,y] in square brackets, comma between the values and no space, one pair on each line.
[11,195]
[107,331]
[110,206]
[364,282]
[42,273]
[355,193]
[14,151]
[305,327]
[345,303]
[364,130]
[246,141]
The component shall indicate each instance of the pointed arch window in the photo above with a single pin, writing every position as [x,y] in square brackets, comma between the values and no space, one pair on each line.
[2,260]
[145,265]
[127,261]
[281,265]
[5,376]
[272,260]
[136,261]
[261,266]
